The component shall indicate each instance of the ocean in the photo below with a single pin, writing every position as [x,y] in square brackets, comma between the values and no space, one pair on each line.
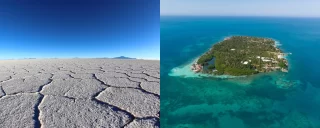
[266,100]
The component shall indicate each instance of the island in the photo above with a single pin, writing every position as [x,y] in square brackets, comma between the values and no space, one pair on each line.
[242,55]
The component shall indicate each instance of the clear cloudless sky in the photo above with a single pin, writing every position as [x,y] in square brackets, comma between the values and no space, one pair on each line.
[287,8]
[79,28]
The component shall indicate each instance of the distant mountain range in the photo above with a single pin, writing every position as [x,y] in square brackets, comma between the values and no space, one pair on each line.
[123,57]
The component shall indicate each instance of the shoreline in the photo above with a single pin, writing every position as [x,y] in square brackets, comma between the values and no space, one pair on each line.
[280,80]
[185,71]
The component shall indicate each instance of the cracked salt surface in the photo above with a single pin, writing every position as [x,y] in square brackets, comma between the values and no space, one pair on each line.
[144,123]
[17,111]
[132,100]
[108,93]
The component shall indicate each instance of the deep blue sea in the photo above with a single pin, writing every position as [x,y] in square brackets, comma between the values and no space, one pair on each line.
[267,100]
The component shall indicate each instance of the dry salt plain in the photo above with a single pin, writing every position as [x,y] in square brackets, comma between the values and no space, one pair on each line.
[86,93]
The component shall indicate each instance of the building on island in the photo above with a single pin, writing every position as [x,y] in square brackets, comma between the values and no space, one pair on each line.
[245,62]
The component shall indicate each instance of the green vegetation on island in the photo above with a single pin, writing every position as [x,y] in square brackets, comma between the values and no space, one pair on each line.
[242,55]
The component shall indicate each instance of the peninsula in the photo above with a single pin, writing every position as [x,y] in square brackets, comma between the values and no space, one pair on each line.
[242,55]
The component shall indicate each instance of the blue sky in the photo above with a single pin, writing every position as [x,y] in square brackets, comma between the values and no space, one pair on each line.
[79,28]
[289,8]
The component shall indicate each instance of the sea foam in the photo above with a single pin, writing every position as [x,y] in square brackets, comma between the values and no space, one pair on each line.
[277,43]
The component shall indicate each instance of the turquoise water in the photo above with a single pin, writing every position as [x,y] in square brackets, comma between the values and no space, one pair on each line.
[270,100]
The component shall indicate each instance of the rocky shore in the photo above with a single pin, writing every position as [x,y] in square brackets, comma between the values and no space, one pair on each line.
[196,67]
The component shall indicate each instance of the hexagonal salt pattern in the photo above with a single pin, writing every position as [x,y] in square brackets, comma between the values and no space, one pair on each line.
[102,93]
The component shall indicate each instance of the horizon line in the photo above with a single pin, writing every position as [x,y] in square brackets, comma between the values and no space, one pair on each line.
[31,58]
[278,16]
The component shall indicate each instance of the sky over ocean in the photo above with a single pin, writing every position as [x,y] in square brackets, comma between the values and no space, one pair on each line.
[82,28]
[282,8]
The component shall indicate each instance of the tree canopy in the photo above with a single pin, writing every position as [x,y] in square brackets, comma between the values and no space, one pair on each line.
[230,55]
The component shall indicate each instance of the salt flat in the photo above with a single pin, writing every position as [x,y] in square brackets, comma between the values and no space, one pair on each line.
[108,93]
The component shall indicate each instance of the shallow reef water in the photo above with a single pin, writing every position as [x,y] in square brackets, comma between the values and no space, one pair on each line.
[265,100]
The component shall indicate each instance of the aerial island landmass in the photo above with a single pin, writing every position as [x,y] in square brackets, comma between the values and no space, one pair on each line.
[242,55]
